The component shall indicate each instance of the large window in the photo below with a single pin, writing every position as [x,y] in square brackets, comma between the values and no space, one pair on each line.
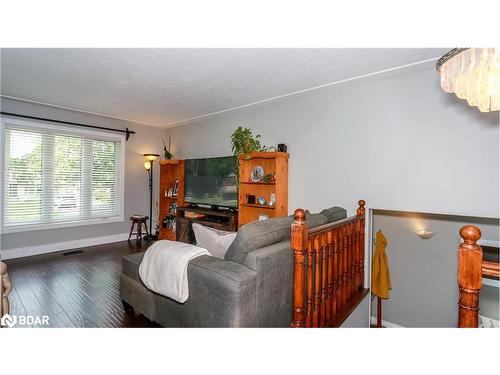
[55,176]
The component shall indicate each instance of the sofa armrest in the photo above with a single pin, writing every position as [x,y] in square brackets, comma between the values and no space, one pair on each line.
[274,267]
[222,291]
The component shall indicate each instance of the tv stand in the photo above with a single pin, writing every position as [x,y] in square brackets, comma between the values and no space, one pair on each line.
[219,219]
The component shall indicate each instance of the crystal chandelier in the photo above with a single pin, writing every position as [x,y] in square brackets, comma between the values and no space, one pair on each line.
[472,74]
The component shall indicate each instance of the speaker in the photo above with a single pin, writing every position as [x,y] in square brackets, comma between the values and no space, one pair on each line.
[282,147]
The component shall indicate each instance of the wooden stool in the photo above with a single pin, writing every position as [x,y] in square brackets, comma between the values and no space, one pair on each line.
[138,220]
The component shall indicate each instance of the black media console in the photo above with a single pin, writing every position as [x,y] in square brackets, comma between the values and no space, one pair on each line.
[216,218]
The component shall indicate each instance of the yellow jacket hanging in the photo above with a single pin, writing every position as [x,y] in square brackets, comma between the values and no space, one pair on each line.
[381,279]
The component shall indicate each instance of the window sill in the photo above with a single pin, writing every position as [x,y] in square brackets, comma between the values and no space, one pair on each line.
[67,224]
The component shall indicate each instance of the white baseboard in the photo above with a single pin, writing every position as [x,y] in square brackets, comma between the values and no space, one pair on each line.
[385,323]
[21,252]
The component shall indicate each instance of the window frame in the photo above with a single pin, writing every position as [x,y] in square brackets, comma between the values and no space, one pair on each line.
[100,135]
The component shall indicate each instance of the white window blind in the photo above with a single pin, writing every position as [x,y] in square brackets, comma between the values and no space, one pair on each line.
[54,175]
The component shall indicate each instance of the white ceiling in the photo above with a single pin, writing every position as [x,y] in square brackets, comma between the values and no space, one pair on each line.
[166,86]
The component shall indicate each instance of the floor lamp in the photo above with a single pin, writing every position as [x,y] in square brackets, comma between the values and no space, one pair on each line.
[148,164]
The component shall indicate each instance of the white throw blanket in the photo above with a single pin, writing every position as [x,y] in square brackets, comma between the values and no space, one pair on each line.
[164,268]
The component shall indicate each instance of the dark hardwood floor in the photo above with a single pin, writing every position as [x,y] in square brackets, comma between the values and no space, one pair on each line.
[80,289]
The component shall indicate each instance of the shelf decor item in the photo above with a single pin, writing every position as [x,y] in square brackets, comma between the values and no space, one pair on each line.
[261,200]
[255,193]
[166,151]
[270,177]
[257,173]
[272,200]
[175,192]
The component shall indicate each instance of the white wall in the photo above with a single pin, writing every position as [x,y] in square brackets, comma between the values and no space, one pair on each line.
[396,140]
[147,140]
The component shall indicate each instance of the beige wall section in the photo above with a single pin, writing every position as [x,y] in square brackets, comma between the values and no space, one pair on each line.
[395,139]
[147,139]
[424,272]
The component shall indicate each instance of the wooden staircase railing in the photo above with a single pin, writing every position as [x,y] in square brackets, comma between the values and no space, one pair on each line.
[471,269]
[328,269]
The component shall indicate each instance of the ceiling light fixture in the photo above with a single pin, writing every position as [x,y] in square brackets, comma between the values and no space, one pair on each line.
[472,74]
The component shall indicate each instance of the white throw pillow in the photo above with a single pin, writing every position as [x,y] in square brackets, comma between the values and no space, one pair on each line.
[215,241]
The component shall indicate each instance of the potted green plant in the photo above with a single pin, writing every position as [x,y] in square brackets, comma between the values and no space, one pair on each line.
[244,142]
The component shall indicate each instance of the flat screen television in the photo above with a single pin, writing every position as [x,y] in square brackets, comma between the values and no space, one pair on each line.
[212,181]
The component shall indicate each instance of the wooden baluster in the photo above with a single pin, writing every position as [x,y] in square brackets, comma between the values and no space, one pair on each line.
[329,299]
[353,260]
[350,272]
[317,280]
[324,274]
[347,265]
[298,245]
[341,267]
[470,259]
[344,266]
[309,286]
[354,265]
[361,213]
[335,274]
[358,256]
[338,270]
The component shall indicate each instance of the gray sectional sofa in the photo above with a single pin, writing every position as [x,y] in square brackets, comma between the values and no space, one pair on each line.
[251,287]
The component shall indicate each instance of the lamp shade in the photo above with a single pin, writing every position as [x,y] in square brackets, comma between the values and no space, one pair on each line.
[151,157]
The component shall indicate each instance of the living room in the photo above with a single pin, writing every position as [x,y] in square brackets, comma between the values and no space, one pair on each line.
[175,186]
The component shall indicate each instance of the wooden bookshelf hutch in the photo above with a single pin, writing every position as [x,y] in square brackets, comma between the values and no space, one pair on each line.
[170,171]
[275,163]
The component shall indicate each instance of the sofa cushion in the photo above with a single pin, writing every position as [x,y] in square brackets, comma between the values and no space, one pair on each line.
[258,234]
[215,241]
[314,220]
[334,213]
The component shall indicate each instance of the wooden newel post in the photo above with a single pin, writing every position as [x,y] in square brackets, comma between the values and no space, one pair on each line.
[361,209]
[470,259]
[299,245]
